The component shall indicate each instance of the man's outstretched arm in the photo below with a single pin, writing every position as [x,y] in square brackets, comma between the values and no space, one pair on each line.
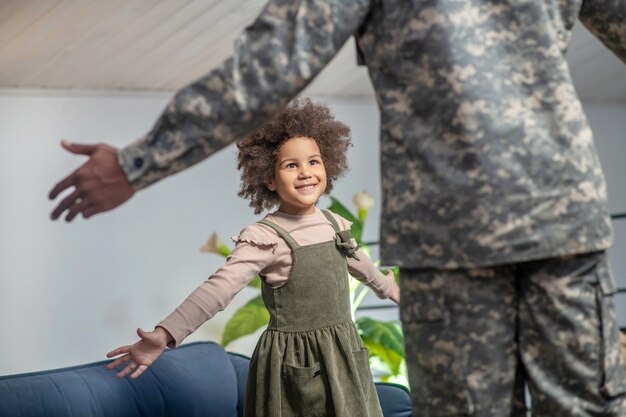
[274,59]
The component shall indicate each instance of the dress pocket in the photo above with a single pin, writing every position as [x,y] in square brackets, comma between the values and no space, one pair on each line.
[305,391]
[362,361]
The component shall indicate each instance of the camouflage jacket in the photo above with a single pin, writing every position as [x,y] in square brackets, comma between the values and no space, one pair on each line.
[487,157]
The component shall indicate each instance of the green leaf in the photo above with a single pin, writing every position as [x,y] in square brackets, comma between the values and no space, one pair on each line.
[255,283]
[247,320]
[384,340]
[222,249]
[357,226]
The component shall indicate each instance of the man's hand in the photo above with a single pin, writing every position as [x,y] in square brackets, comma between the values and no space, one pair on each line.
[99,184]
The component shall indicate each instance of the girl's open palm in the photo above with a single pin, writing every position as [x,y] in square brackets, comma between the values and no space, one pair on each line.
[139,355]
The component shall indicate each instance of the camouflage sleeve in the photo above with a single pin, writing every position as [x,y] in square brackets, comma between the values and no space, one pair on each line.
[274,59]
[606,19]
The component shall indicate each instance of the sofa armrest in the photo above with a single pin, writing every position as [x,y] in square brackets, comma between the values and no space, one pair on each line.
[394,400]
[193,380]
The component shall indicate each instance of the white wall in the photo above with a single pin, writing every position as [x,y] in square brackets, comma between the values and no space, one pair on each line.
[71,292]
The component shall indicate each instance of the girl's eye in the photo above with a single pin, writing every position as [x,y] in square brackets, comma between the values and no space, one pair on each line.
[291,165]
[314,162]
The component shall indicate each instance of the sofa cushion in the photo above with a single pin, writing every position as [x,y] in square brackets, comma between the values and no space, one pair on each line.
[197,379]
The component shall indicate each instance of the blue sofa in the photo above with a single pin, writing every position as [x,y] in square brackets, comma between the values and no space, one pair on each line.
[198,379]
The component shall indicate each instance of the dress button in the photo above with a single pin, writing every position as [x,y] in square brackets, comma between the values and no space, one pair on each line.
[138,162]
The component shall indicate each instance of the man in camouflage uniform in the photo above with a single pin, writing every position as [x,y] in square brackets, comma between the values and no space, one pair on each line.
[494,202]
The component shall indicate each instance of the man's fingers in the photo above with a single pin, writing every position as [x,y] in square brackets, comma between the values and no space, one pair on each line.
[67,202]
[91,210]
[62,185]
[70,180]
[75,209]
[77,148]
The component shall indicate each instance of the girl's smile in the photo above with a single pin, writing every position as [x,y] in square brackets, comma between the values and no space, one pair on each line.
[308,188]
[299,176]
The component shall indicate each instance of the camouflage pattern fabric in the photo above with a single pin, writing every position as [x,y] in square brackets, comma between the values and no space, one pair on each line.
[474,336]
[487,157]
[622,338]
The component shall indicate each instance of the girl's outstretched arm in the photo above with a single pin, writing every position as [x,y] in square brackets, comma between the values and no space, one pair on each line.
[141,354]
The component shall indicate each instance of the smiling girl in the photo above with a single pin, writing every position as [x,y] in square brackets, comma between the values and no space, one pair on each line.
[310,360]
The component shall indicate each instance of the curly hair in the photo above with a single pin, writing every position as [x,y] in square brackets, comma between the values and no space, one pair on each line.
[302,118]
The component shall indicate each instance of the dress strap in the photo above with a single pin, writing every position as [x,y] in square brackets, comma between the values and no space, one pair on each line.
[282,233]
[343,239]
[331,219]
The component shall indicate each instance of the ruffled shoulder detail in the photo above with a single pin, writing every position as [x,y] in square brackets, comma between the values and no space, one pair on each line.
[257,235]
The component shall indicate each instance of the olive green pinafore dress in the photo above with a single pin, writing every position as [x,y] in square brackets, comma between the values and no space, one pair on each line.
[310,361]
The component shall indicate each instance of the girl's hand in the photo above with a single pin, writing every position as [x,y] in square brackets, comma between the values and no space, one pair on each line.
[395,293]
[141,354]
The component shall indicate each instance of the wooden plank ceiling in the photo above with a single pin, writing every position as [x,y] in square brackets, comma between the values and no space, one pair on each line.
[160,45]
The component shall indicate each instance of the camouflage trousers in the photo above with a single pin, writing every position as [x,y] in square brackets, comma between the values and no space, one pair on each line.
[475,338]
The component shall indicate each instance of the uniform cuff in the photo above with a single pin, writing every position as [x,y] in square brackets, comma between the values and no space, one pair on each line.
[136,160]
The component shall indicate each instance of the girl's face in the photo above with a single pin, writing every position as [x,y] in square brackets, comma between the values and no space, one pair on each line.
[299,176]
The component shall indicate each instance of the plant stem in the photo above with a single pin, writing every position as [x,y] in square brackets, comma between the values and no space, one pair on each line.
[359,298]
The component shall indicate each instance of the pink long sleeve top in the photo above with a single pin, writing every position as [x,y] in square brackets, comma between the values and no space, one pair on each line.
[259,250]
